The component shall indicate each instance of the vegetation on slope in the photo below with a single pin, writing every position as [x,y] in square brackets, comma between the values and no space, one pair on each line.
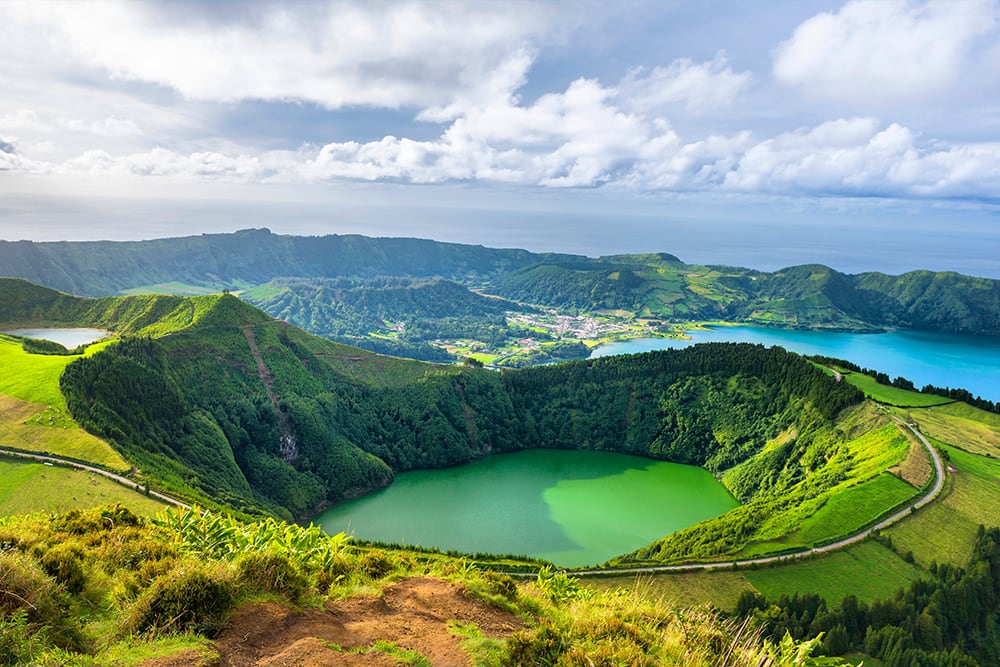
[651,285]
[33,413]
[104,586]
[800,296]
[245,258]
[404,313]
[236,410]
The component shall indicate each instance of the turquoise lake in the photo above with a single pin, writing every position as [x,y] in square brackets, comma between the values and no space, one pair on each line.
[573,508]
[944,360]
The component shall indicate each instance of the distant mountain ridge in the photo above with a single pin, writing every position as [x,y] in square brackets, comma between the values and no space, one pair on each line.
[649,285]
[244,258]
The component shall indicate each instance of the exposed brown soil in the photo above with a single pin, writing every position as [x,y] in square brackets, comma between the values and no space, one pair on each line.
[412,613]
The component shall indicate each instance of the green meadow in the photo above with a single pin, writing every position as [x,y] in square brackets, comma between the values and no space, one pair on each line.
[65,489]
[33,414]
[35,377]
[836,575]
[892,395]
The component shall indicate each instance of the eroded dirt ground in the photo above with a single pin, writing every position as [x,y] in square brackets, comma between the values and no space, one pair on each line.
[413,613]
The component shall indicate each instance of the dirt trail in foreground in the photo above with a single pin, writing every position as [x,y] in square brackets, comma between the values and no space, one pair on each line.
[413,614]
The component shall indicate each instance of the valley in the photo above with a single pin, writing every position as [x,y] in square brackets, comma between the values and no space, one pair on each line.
[211,401]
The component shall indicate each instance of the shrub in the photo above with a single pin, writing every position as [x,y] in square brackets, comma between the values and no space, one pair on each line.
[27,591]
[269,572]
[541,648]
[501,584]
[339,568]
[64,563]
[186,600]
[375,564]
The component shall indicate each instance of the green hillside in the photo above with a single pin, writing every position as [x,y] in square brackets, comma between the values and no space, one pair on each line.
[658,286]
[219,403]
[233,409]
[244,258]
[808,296]
[390,315]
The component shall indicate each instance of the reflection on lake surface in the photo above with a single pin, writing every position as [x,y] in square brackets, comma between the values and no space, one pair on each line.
[944,360]
[573,508]
[68,338]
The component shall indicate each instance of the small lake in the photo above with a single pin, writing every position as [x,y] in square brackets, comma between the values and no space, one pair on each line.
[68,338]
[944,360]
[573,508]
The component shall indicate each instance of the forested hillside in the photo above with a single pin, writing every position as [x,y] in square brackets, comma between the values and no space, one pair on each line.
[245,258]
[801,296]
[230,408]
[658,286]
[413,311]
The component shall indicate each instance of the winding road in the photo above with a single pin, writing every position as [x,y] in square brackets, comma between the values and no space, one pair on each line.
[826,548]
[67,463]
[939,477]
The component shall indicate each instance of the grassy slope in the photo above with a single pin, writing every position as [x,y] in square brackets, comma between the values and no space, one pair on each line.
[33,412]
[892,395]
[944,531]
[716,588]
[129,586]
[65,489]
[835,575]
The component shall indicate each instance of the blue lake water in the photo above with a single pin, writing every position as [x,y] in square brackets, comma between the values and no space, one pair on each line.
[945,360]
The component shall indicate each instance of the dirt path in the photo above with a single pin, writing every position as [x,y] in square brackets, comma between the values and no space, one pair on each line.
[288,446]
[413,614]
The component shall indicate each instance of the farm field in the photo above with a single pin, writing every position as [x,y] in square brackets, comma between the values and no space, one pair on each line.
[65,489]
[39,428]
[854,508]
[892,395]
[974,430]
[944,531]
[722,589]
[35,377]
[836,575]
[33,412]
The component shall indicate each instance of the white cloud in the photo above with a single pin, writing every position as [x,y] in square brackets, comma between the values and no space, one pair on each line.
[334,54]
[22,119]
[697,86]
[580,138]
[884,49]
[859,157]
[111,126]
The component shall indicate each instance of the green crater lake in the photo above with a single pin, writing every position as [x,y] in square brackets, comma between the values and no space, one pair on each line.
[573,508]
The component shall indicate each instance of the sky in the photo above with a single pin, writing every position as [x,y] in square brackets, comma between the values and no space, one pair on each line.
[862,134]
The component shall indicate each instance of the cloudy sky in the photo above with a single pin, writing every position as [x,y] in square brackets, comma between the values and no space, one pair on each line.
[582,126]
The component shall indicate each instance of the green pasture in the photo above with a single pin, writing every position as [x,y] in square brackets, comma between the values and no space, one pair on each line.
[962,425]
[64,489]
[944,530]
[854,508]
[35,377]
[836,575]
[892,395]
[721,588]
[33,412]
